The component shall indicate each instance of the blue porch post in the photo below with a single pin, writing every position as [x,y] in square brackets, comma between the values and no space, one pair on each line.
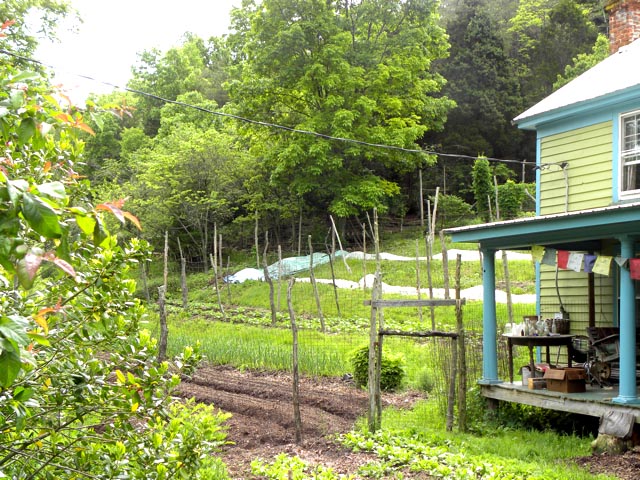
[628,391]
[489,327]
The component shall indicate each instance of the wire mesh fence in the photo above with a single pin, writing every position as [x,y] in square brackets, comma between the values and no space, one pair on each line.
[248,324]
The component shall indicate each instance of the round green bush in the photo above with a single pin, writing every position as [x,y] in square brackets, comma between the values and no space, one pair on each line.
[392,371]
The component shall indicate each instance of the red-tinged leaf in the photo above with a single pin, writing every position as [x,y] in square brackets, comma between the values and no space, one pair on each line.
[27,269]
[65,98]
[85,127]
[65,117]
[133,219]
[110,207]
[47,166]
[60,263]
[65,267]
[7,24]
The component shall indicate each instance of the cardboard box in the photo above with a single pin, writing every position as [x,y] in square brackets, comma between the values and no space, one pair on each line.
[566,380]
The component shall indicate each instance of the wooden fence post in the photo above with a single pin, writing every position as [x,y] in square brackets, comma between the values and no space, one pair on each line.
[462,386]
[296,379]
[312,277]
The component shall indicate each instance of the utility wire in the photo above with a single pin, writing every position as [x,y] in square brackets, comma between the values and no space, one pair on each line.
[269,124]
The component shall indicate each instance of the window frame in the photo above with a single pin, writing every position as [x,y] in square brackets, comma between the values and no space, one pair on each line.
[623,154]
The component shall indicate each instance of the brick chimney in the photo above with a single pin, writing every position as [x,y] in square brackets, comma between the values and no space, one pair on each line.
[624,22]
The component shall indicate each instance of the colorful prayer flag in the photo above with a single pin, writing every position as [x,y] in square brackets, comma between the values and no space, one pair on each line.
[549,257]
[634,268]
[537,252]
[589,261]
[575,261]
[563,259]
[602,265]
[621,261]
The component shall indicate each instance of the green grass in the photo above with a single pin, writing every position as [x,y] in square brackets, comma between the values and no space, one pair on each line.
[412,440]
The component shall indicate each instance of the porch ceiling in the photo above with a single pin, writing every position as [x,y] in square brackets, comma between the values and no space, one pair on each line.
[583,230]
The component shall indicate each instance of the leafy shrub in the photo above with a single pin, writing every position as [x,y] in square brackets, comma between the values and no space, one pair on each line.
[453,211]
[426,381]
[392,370]
[510,198]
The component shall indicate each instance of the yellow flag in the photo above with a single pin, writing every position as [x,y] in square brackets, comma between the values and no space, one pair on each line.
[602,265]
[537,252]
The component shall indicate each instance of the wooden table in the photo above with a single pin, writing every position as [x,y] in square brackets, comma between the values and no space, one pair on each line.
[538,341]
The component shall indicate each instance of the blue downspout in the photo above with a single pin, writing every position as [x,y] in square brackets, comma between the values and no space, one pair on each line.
[628,391]
[489,324]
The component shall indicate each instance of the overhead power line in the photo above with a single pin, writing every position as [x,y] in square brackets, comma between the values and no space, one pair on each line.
[269,124]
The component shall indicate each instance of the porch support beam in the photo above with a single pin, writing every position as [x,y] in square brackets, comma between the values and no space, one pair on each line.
[628,392]
[489,324]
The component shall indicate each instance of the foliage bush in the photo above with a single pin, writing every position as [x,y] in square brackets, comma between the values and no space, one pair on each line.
[81,392]
[392,369]
[510,198]
[453,211]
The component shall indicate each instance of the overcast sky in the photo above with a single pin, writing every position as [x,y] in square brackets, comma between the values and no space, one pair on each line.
[113,32]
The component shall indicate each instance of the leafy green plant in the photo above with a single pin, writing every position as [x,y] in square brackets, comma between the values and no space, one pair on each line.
[392,369]
[81,392]
[294,468]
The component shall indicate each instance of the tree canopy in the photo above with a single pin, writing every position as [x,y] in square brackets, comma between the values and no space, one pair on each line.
[357,70]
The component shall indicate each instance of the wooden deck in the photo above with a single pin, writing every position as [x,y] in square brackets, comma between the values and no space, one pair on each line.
[595,401]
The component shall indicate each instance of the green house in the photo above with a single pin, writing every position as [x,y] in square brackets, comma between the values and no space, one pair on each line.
[587,206]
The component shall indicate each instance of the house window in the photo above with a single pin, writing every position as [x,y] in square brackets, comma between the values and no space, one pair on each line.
[630,154]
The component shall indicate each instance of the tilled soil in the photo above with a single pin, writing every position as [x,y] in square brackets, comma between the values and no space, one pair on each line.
[262,424]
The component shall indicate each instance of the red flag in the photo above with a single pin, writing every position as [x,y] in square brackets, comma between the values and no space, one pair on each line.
[563,258]
[634,268]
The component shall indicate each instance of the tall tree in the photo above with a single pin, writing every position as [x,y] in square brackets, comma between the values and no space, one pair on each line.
[547,35]
[194,66]
[357,69]
[482,81]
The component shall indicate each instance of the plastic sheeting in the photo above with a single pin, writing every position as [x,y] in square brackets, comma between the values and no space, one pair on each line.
[286,267]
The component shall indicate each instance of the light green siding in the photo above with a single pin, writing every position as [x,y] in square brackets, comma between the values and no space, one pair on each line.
[588,151]
[573,287]
[589,154]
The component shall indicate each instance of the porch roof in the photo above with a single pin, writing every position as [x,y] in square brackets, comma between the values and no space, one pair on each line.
[581,230]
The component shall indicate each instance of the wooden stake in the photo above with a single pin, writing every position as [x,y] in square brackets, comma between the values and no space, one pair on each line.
[462,385]
[267,278]
[166,260]
[335,286]
[296,393]
[364,257]
[255,238]
[215,285]
[279,277]
[315,286]
[344,259]
[183,277]
[373,380]
[421,198]
[445,266]
[427,239]
[164,331]
[418,279]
